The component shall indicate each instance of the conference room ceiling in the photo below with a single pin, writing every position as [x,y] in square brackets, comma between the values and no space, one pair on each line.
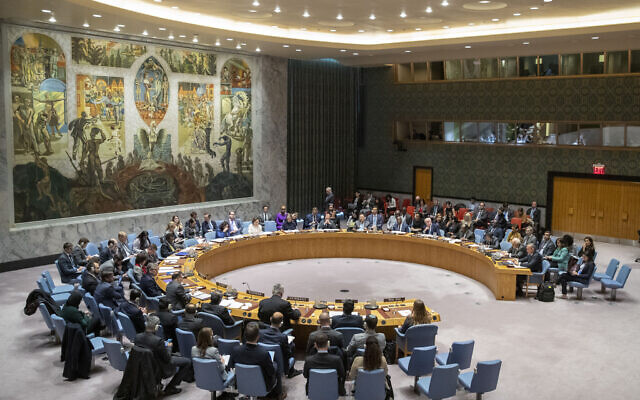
[355,32]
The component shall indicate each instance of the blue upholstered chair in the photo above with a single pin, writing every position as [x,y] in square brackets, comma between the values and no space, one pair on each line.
[209,236]
[618,283]
[92,305]
[58,325]
[283,365]
[96,342]
[92,249]
[416,336]
[536,278]
[104,243]
[226,345]
[442,383]
[219,328]
[190,242]
[479,235]
[269,226]
[208,376]
[116,354]
[370,385]
[46,316]
[609,273]
[131,237]
[348,332]
[128,327]
[460,353]
[152,303]
[580,285]
[245,226]
[419,363]
[250,381]
[112,323]
[186,340]
[155,240]
[483,379]
[52,286]
[323,384]
[59,298]
[505,246]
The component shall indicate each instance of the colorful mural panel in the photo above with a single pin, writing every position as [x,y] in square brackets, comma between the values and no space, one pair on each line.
[189,62]
[105,53]
[151,92]
[195,117]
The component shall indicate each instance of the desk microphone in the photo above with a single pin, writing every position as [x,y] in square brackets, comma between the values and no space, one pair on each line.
[248,288]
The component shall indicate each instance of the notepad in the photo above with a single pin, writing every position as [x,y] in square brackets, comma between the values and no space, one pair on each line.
[336,313]
[226,302]
[404,313]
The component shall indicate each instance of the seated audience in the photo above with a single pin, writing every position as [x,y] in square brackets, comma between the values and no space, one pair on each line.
[466,232]
[90,278]
[335,338]
[430,227]
[191,230]
[107,253]
[391,220]
[560,257]
[208,225]
[169,246]
[171,228]
[417,226]
[123,245]
[582,276]
[132,310]
[71,314]
[347,319]
[148,282]
[568,243]
[255,227]
[490,241]
[547,247]
[419,316]
[407,218]
[198,228]
[472,204]
[312,220]
[391,204]
[235,225]
[204,348]
[215,308]
[435,209]
[265,215]
[400,226]
[178,228]
[351,222]
[223,230]
[289,224]
[517,249]
[530,237]
[420,206]
[358,340]
[480,217]
[140,265]
[273,335]
[323,360]
[142,242]
[168,320]
[498,226]
[327,222]
[514,234]
[533,261]
[113,265]
[276,303]
[375,220]
[69,271]
[108,292]
[281,217]
[152,253]
[362,224]
[176,294]
[80,256]
[371,360]
[587,248]
[189,321]
[534,214]
[356,204]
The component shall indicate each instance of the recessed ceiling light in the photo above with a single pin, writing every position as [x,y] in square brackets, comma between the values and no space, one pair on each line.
[429,10]
[525,43]
[229,39]
[195,39]
[418,29]
[238,46]
[277,10]
[175,7]
[332,30]
[121,25]
[339,17]
[548,1]
[303,29]
[306,14]
[97,16]
[217,42]
[446,27]
[158,1]
[253,11]
[407,51]
[256,3]
[52,19]
[355,54]
[86,25]
[243,43]
[484,2]
[274,26]
[285,45]
[372,16]
[361,30]
[258,50]
[145,33]
[116,29]
[403,14]
[444,3]
[298,50]
[343,50]
[516,14]
[162,29]
[595,37]
[182,36]
[471,24]
[495,19]
[171,37]
[467,47]
[533,8]
[46,11]
[389,30]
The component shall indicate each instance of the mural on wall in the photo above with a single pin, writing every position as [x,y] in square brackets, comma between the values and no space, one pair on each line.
[151,92]
[195,116]
[104,53]
[189,62]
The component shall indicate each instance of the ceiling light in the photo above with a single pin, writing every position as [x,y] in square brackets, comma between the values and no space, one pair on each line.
[217,42]
[86,25]
[343,51]
[484,2]
[252,11]
[467,47]
[525,43]
[277,10]
[595,37]
[516,14]
[444,3]
[339,17]
[52,19]
[171,37]
[429,10]
[446,27]
[229,39]
[116,29]
[243,43]
[97,16]
[533,8]
[120,25]
[389,30]
[372,16]
[407,51]
[495,19]
[303,29]
[258,50]
[298,50]
[274,26]
[158,1]
[285,45]
[238,46]
[145,33]
[46,11]
[332,30]
[162,29]
[195,39]
[403,14]
[548,1]
[361,30]
[418,29]
[471,24]
[255,3]
[306,14]
[355,54]
[182,36]
[175,7]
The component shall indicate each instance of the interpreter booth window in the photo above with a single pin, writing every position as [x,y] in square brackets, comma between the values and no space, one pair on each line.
[548,65]
[404,72]
[418,131]
[492,132]
[568,134]
[528,66]
[420,72]
[635,60]
[453,70]
[570,64]
[547,133]
[613,135]
[469,132]
[633,136]
[402,131]
[435,131]
[593,63]
[480,68]
[452,131]
[509,67]
[528,133]
[590,135]
[617,62]
[437,70]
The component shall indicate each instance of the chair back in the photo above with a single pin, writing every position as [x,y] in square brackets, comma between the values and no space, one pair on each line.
[323,384]
[422,361]
[226,345]
[131,237]
[107,319]
[151,303]
[160,332]
[104,244]
[47,277]
[612,268]
[186,340]
[132,276]
[485,377]
[370,385]
[269,226]
[278,357]
[92,249]
[479,235]
[623,275]
[115,353]
[92,305]
[210,235]
[505,246]
[190,242]
[421,336]
[245,226]
[127,325]
[461,353]
[42,285]
[155,240]
[250,381]
[46,316]
[207,374]
[212,321]
[444,381]
[58,324]
[348,332]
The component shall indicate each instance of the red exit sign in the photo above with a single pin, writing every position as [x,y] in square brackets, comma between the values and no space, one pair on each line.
[598,169]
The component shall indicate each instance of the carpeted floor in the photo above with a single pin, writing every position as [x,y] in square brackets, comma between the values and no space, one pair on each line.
[568,349]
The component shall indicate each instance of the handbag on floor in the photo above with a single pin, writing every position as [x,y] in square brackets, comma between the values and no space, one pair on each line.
[546,292]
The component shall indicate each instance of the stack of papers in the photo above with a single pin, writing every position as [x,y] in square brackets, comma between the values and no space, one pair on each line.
[200,295]
[226,302]
[167,270]
[225,358]
[404,313]
[334,313]
[172,260]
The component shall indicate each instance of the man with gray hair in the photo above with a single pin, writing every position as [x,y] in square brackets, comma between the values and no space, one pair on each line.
[276,303]
[162,354]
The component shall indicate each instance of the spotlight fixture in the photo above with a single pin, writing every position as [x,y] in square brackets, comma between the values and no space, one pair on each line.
[182,36]
[516,14]
[158,1]
[595,37]
[343,50]
[484,2]
[525,43]
[403,14]
[120,25]
[238,46]
[285,45]
[229,39]
[355,54]
[445,27]
[86,25]
[145,33]
[170,37]
[217,42]
[418,29]
[306,14]
[175,7]
[444,3]
[195,39]
[407,51]
[52,19]
[389,30]
[255,3]
[372,16]
[534,8]
[46,11]
[162,29]
[258,50]
[298,50]
[332,30]
[97,16]
[429,10]
[116,29]
[339,17]
[277,10]
[361,30]
[495,19]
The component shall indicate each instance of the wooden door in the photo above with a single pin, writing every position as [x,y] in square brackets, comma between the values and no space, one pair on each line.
[564,204]
[422,182]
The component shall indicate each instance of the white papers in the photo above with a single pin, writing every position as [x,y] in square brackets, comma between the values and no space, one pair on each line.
[167,270]
[225,358]
[200,295]
[246,306]
[171,260]
[226,302]
[404,313]
[335,313]
[235,304]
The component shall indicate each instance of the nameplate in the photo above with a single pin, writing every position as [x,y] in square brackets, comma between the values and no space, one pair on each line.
[343,300]
[254,293]
[224,285]
[393,300]
[294,298]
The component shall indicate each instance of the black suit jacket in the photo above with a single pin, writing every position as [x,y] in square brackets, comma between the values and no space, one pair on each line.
[89,282]
[536,215]
[335,338]
[309,221]
[219,311]
[347,321]
[275,303]
[272,335]
[166,249]
[133,312]
[169,322]
[68,270]
[209,228]
[176,295]
[251,354]
[79,255]
[547,247]
[325,361]
[149,286]
[532,261]
[586,272]
[105,255]
[191,324]
[109,295]
[161,354]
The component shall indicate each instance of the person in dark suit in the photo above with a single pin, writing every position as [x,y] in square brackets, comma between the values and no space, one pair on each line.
[328,198]
[534,213]
[490,241]
[327,222]
[80,256]
[191,229]
[335,338]
[148,282]
[289,223]
[168,320]
[480,217]
[323,360]
[273,335]
[546,246]
[176,294]
[582,276]
[250,353]
[132,310]
[267,307]
[375,220]
[90,279]
[162,354]
[312,220]
[189,321]
[208,225]
[265,215]
[168,245]
[216,309]
[347,319]
[124,249]
[108,293]
[108,252]
[436,209]
[533,261]
[69,271]
[198,227]
[235,224]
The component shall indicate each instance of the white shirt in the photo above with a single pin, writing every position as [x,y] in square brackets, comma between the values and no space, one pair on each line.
[254,230]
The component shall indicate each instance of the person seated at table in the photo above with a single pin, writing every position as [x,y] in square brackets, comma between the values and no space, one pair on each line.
[358,340]
[223,230]
[235,224]
[530,237]
[533,261]
[281,217]
[400,226]
[148,282]
[375,220]
[546,247]
[560,257]
[273,335]
[490,241]
[71,314]
[168,320]
[391,220]
[327,222]
[69,271]
[407,218]
[152,253]
[107,253]
[90,277]
[312,220]
[335,338]
[113,265]
[452,226]
[109,293]
[362,224]
[417,226]
[189,321]
[324,360]
[289,223]
[430,227]
[498,225]
[265,215]
[255,227]
[216,309]
[466,232]
[169,246]
[276,303]
[124,248]
[194,216]
[171,228]
[208,225]
[132,310]
[420,205]
[205,348]
[140,265]
[583,275]
[179,229]
[351,222]
[419,316]
[371,360]
[347,319]
[141,242]
[191,230]
[517,250]
[79,252]
[250,353]
[176,294]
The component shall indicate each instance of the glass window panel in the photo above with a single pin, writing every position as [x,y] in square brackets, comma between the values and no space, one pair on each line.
[570,64]
[526,133]
[613,136]
[418,130]
[437,70]
[549,65]
[471,68]
[593,63]
[568,134]
[402,131]
[420,72]
[633,136]
[510,133]
[469,132]
[452,131]
[617,62]
[508,67]
[635,60]
[489,67]
[546,133]
[404,72]
[487,132]
[590,135]
[528,66]
[453,69]
[435,131]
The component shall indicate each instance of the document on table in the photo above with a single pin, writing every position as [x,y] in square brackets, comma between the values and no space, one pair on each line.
[335,313]
[226,302]
[404,313]
[200,295]
[242,306]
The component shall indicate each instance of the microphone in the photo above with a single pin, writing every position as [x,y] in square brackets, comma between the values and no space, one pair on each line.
[248,288]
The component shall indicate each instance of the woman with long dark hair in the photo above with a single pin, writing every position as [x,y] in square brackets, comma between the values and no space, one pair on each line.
[142,242]
[204,348]
[372,359]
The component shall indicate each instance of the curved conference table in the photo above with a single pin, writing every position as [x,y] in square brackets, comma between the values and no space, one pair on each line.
[210,259]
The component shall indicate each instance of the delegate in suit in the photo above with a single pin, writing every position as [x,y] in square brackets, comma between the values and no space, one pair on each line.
[267,307]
